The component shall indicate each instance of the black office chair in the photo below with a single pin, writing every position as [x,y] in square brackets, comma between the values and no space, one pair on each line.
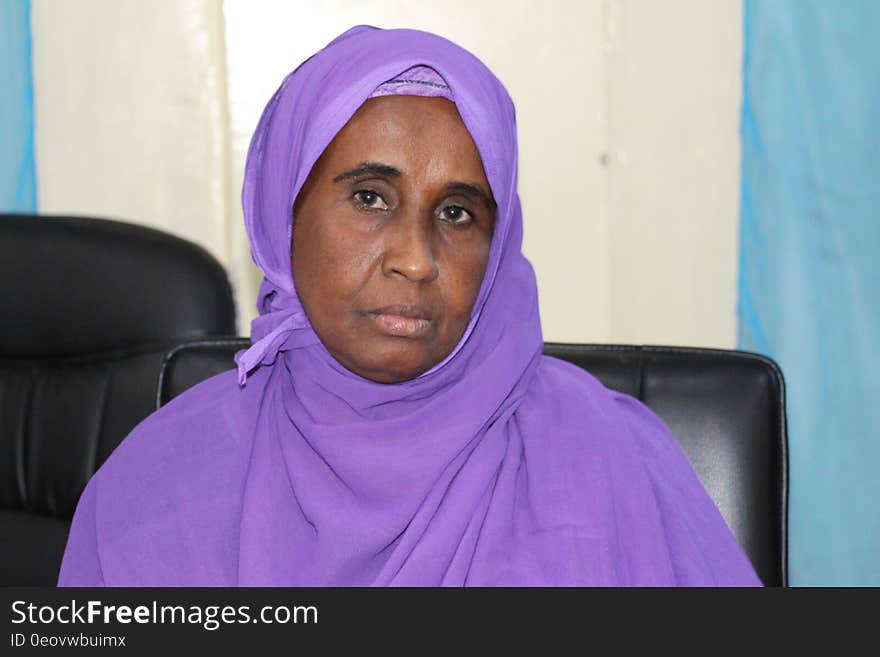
[727,409]
[88,310]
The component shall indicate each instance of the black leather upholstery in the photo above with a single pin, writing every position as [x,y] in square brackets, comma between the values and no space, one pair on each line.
[89,309]
[727,409]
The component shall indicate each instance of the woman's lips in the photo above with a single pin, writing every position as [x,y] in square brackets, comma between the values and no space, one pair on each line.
[401,321]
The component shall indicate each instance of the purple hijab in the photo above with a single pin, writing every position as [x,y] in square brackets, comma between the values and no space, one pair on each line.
[499,466]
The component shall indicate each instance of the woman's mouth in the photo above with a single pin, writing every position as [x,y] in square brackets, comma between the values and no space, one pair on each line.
[401,321]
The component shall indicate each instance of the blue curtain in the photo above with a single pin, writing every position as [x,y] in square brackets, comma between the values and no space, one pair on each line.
[18,192]
[809,290]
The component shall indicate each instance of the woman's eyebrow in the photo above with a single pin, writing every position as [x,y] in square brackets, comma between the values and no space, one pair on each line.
[375,168]
[472,190]
[379,169]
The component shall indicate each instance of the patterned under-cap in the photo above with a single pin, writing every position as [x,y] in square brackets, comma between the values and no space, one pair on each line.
[415,81]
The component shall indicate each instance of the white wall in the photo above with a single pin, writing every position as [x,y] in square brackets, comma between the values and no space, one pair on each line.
[130,114]
[627,109]
[675,89]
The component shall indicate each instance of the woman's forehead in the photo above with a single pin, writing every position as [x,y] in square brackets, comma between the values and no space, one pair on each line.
[415,131]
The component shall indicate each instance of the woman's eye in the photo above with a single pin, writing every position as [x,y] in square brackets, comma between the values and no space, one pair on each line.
[456,214]
[370,199]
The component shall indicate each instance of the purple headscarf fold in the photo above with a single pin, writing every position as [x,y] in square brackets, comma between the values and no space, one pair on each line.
[499,466]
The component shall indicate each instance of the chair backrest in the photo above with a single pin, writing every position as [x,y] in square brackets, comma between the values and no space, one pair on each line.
[726,408]
[88,309]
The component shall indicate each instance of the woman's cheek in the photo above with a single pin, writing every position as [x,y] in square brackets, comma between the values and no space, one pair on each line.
[348,260]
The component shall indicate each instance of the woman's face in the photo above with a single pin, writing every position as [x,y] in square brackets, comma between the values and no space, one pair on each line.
[391,237]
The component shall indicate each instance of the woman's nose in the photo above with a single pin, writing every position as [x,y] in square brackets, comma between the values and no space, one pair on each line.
[409,251]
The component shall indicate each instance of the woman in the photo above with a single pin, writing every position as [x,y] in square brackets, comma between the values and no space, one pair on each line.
[394,422]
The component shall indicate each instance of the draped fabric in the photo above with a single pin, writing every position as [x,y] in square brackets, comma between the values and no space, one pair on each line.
[498,466]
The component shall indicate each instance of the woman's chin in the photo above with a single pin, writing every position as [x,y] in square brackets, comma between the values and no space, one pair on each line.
[392,367]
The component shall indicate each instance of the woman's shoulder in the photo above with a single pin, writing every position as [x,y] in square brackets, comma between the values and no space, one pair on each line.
[189,445]
[210,414]
[592,430]
[572,385]
[579,400]
[180,466]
